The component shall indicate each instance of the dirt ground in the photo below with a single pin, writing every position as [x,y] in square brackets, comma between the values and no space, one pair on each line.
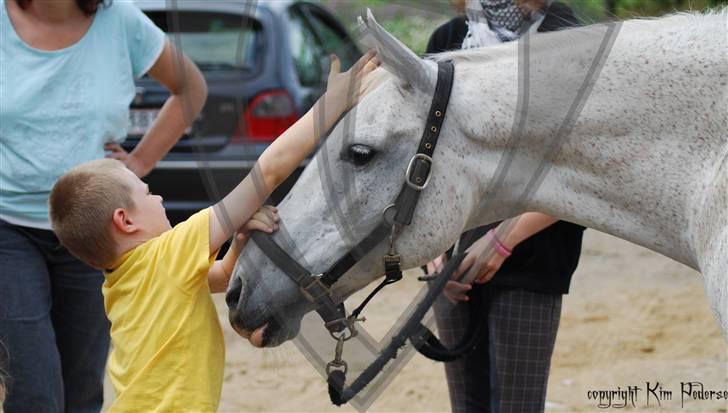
[632,317]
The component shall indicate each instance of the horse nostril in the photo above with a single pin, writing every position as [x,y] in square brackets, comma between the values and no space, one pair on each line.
[233,294]
[236,323]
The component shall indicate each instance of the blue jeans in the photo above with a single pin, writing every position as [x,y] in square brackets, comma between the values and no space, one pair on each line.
[54,334]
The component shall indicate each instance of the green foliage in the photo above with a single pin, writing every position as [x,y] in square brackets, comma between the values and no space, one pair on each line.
[414,31]
[587,11]
[591,11]
[410,21]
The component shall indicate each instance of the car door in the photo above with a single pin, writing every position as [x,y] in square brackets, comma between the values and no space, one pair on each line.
[330,35]
[309,58]
[314,34]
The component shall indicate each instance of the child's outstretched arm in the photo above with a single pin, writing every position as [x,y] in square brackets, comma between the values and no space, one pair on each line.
[282,157]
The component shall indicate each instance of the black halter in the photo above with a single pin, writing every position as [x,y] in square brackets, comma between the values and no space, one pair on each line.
[316,287]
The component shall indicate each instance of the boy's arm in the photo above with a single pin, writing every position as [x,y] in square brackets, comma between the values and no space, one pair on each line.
[218,278]
[282,157]
[219,275]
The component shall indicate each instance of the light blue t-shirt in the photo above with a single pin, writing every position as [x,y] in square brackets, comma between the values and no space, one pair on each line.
[58,108]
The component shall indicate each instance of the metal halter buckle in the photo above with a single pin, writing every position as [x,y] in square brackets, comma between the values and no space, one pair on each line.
[414,185]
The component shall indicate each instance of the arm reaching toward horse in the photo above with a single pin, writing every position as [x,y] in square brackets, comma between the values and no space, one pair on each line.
[282,157]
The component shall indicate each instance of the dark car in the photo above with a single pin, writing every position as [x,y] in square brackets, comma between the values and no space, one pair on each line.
[265,63]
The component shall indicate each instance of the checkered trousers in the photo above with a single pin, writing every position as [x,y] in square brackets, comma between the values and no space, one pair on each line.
[508,370]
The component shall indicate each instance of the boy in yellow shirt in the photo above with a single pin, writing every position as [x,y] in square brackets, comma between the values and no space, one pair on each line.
[168,351]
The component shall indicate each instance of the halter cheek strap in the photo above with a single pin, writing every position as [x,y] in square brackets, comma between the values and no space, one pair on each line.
[418,171]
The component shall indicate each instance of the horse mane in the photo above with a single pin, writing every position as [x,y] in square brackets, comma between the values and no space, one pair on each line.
[487,54]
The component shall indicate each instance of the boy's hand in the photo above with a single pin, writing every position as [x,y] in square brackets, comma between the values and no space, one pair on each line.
[265,220]
[344,90]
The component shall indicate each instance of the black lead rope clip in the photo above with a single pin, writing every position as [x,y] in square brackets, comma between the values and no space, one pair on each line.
[392,268]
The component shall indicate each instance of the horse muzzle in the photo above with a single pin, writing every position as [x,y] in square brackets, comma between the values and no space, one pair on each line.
[252,317]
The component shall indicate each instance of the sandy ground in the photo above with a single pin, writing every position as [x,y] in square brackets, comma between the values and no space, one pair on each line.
[632,317]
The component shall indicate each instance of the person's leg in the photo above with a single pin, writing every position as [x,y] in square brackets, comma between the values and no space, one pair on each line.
[468,378]
[522,328]
[82,329]
[34,368]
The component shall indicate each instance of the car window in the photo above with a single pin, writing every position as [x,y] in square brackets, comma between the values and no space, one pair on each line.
[333,39]
[305,50]
[214,41]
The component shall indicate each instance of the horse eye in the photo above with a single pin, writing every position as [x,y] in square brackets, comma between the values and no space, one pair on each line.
[360,154]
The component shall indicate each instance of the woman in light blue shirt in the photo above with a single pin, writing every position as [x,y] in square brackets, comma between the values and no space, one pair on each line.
[66,82]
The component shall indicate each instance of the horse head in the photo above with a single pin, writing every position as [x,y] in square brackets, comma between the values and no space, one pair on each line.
[341,195]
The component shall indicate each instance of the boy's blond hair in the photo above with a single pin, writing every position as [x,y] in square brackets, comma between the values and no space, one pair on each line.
[82,204]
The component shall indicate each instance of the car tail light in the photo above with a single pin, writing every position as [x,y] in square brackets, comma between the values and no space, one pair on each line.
[268,115]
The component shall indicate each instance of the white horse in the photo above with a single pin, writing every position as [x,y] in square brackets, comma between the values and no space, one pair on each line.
[646,159]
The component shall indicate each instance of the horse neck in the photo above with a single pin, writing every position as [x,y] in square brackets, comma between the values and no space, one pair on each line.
[633,165]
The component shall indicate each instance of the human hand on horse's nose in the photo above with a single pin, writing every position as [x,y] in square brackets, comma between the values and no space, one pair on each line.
[265,220]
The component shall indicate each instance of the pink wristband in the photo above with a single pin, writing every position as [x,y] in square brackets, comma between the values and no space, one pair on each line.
[501,249]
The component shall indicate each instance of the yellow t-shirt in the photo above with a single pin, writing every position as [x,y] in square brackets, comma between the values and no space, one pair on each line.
[168,351]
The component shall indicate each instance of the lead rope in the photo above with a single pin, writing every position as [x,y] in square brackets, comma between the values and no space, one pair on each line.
[411,330]
[392,271]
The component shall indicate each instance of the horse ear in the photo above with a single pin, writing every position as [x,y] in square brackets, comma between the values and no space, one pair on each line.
[395,56]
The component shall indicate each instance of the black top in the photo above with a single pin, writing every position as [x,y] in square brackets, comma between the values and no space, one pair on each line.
[449,36]
[544,262]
